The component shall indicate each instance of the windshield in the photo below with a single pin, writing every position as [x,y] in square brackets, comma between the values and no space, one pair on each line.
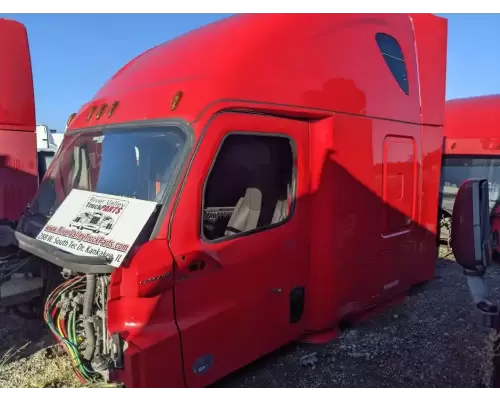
[458,169]
[129,162]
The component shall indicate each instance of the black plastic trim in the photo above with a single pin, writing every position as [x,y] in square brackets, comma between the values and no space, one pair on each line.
[47,252]
[297,300]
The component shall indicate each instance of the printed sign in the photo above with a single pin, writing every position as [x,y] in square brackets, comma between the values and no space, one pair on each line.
[94,224]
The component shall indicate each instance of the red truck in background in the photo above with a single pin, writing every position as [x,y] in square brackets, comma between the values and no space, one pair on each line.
[18,148]
[21,165]
[471,150]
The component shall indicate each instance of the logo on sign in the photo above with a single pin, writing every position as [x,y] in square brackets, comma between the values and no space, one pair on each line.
[99,215]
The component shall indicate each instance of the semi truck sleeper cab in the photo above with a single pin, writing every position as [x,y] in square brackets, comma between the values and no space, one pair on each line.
[472,150]
[271,155]
[18,152]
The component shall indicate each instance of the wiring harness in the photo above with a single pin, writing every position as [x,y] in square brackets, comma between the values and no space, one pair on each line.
[75,313]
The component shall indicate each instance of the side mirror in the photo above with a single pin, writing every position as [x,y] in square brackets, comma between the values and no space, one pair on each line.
[471,243]
[470,227]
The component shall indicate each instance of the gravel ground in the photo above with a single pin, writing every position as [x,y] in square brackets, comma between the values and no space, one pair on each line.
[433,340]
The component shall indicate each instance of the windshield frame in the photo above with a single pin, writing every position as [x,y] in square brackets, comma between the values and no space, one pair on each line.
[184,152]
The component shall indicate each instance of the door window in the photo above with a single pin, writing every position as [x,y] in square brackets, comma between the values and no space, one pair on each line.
[249,187]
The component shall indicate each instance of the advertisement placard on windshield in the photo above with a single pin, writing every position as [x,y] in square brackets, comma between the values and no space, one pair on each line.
[94,224]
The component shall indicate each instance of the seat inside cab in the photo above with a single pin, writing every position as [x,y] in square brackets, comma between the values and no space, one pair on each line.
[249,186]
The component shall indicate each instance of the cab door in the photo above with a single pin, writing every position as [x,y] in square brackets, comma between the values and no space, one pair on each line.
[239,237]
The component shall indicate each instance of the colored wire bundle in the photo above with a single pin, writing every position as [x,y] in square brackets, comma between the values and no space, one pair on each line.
[62,323]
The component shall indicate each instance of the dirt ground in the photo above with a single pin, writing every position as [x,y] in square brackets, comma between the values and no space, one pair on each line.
[433,340]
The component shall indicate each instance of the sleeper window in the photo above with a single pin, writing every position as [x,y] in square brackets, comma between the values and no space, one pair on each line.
[393,56]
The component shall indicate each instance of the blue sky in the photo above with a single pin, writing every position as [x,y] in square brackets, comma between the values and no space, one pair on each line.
[74,54]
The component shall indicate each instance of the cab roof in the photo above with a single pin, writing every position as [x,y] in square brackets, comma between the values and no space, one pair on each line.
[473,117]
[472,125]
[326,62]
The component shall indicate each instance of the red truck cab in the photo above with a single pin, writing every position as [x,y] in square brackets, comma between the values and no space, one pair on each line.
[18,157]
[472,149]
[294,165]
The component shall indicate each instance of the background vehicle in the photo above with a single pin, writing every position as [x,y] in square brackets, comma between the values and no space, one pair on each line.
[26,149]
[18,151]
[45,137]
[471,150]
[21,165]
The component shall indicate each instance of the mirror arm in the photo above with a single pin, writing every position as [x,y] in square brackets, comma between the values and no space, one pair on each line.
[478,289]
